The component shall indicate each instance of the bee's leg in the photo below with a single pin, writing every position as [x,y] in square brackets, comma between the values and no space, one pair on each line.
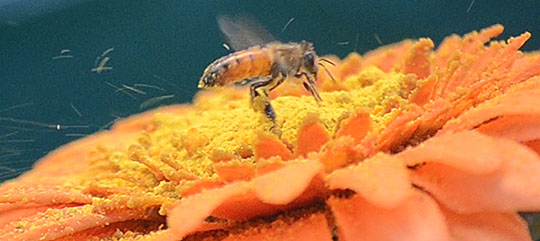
[260,100]
[312,88]
[249,81]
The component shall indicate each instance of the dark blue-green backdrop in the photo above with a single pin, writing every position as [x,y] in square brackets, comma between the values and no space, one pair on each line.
[168,43]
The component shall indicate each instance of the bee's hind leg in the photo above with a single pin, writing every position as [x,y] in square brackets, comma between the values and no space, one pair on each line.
[260,100]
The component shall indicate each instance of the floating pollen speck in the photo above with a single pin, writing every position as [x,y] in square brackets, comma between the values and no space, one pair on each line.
[410,143]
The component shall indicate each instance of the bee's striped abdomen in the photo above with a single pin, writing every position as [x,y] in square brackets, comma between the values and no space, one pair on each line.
[236,67]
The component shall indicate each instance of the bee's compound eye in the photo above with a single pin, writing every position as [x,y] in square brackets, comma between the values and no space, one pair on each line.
[309,61]
[309,58]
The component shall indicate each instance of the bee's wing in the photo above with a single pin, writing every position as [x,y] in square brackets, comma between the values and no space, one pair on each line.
[243,32]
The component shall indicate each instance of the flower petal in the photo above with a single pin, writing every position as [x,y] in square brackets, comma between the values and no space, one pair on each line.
[20,193]
[516,127]
[522,103]
[290,186]
[17,213]
[469,172]
[312,136]
[112,231]
[230,173]
[267,146]
[57,223]
[417,60]
[357,126]
[191,212]
[382,180]
[284,185]
[487,226]
[469,151]
[418,218]
[312,227]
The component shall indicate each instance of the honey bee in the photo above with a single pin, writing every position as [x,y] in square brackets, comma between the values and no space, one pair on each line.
[264,65]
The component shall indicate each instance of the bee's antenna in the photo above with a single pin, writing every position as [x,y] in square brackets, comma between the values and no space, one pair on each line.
[328,61]
[328,72]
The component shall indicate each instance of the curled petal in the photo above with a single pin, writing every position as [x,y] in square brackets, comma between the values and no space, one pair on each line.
[382,180]
[292,185]
[468,151]
[487,226]
[284,185]
[516,127]
[470,172]
[190,213]
[520,103]
[417,218]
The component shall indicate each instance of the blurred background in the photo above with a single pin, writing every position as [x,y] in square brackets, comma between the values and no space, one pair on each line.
[72,67]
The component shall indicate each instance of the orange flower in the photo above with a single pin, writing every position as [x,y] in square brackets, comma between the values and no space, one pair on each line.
[410,143]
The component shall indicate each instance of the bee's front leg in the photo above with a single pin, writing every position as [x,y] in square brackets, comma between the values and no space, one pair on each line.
[311,87]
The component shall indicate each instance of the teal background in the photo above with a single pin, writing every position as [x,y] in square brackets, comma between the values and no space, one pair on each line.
[169,43]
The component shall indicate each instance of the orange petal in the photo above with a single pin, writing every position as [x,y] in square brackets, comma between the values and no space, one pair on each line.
[382,180]
[400,129]
[22,193]
[201,186]
[286,184]
[54,224]
[357,126]
[446,50]
[313,227]
[418,218]
[478,173]
[270,165]
[295,183]
[417,60]
[523,103]
[533,145]
[110,232]
[385,58]
[524,69]
[230,173]
[312,136]
[75,157]
[487,226]
[18,213]
[187,215]
[516,127]
[351,65]
[338,153]
[425,91]
[267,146]
[475,41]
[468,151]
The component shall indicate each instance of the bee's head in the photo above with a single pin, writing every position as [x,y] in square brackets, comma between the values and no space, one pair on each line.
[208,79]
[310,58]
[311,61]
